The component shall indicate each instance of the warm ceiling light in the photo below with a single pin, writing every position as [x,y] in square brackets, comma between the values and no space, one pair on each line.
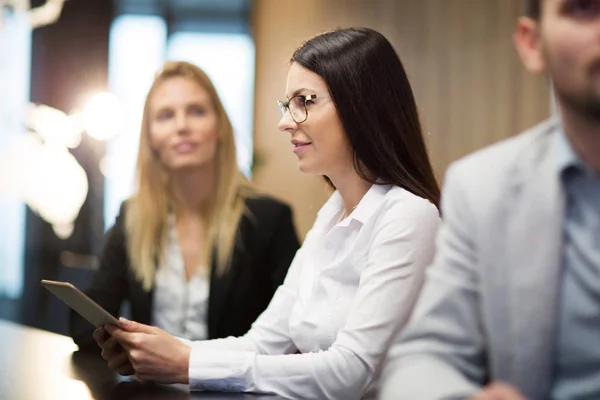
[103,116]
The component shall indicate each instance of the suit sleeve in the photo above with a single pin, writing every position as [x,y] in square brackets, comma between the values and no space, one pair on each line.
[282,248]
[109,285]
[440,354]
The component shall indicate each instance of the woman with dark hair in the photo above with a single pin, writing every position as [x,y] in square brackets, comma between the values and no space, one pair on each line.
[352,118]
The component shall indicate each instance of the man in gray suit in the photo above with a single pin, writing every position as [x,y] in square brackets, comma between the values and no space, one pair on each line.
[511,305]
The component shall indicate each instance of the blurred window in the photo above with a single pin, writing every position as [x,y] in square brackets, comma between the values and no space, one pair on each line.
[137,46]
[15,67]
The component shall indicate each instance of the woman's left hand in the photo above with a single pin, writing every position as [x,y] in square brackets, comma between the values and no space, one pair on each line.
[154,354]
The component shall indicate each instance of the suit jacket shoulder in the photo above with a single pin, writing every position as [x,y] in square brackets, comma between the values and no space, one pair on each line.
[486,175]
[266,210]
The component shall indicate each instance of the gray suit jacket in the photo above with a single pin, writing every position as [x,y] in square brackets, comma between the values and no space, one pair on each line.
[488,309]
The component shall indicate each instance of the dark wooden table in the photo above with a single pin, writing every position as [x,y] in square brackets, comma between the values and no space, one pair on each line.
[36,364]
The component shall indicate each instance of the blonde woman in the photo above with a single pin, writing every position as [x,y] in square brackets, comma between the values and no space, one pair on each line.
[195,251]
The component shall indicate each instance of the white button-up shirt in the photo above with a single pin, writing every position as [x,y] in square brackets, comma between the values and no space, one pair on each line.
[179,306]
[349,290]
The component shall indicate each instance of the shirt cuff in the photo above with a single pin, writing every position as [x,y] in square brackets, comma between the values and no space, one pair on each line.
[186,341]
[220,370]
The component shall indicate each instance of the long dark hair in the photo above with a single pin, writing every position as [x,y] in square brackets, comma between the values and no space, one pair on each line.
[376,105]
[534,9]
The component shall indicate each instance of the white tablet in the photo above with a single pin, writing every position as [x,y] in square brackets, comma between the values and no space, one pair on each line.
[79,302]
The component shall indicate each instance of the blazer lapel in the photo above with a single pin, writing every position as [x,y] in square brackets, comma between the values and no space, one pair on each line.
[535,261]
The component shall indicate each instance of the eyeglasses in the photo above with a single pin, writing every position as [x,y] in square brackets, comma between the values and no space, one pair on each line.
[298,106]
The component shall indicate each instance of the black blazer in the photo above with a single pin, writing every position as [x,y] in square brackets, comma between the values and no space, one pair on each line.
[265,245]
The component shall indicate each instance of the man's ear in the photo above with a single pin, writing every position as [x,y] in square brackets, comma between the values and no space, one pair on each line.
[529,45]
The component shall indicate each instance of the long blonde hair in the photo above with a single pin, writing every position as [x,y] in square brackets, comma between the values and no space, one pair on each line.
[148,209]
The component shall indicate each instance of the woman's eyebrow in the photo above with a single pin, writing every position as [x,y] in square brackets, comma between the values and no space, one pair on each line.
[298,91]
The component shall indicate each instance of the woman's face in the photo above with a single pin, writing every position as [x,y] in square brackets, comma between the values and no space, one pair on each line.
[183,124]
[320,142]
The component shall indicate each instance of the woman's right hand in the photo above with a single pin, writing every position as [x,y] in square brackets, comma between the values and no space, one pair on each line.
[113,353]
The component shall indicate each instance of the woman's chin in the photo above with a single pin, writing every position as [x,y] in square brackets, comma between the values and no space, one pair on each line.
[306,168]
[186,165]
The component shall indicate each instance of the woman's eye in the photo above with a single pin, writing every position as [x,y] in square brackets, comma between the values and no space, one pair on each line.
[583,9]
[197,111]
[296,102]
[164,115]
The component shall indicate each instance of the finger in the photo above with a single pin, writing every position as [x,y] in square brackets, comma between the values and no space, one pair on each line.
[111,349]
[499,391]
[118,361]
[502,390]
[112,344]
[132,326]
[109,354]
[125,370]
[127,340]
[120,335]
[100,335]
[481,396]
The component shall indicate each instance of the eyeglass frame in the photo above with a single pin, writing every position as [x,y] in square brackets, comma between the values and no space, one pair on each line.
[285,107]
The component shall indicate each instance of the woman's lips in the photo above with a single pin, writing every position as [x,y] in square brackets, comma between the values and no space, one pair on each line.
[185,147]
[299,146]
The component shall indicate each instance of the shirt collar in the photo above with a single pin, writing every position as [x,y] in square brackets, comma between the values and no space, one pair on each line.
[365,208]
[565,155]
[369,203]
[567,159]
[171,228]
[332,205]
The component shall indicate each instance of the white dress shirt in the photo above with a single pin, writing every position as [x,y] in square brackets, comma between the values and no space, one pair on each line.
[349,290]
[180,306]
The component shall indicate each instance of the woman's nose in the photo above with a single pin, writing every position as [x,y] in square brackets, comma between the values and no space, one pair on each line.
[287,123]
[181,122]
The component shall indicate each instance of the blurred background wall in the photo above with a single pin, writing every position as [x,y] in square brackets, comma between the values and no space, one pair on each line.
[468,81]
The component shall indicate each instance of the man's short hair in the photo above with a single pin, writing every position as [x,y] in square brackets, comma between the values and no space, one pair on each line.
[534,9]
